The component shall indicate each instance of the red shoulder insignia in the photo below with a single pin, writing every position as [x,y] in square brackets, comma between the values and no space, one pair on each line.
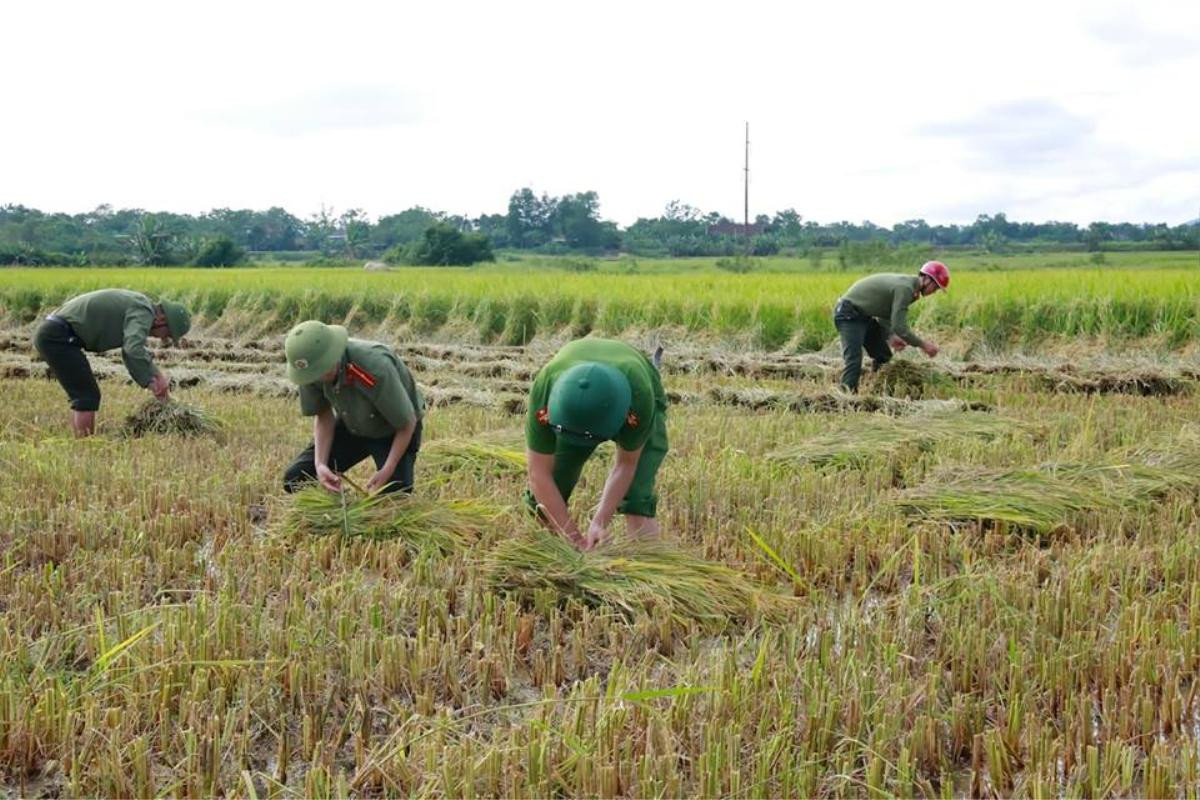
[543,415]
[631,419]
[356,374]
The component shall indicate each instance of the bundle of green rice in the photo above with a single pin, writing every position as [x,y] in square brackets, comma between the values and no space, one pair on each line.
[419,523]
[632,576]
[480,458]
[1032,500]
[904,377]
[172,417]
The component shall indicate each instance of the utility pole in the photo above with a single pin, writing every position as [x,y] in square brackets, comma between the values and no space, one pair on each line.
[746,186]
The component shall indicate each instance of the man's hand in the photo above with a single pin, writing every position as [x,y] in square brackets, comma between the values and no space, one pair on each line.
[160,385]
[896,343]
[328,478]
[380,479]
[595,536]
[930,349]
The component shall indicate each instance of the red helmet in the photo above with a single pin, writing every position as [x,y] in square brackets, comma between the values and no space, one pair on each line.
[937,270]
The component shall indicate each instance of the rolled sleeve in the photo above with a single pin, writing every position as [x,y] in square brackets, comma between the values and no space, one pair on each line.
[134,352]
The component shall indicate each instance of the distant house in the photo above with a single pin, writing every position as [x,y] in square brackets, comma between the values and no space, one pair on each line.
[726,228]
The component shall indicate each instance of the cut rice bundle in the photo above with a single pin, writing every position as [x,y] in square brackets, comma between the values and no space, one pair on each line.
[632,576]
[419,523]
[1029,500]
[479,458]
[158,417]
[890,439]
[904,377]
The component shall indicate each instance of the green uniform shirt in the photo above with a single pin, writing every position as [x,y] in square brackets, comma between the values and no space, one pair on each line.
[886,297]
[648,394]
[374,393]
[110,318]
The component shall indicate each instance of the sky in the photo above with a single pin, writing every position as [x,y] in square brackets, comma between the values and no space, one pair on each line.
[1046,110]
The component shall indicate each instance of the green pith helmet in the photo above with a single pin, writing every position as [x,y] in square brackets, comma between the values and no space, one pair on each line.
[179,321]
[312,349]
[589,403]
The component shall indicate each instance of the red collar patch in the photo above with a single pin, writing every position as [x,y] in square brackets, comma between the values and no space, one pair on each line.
[356,374]
[631,419]
[543,415]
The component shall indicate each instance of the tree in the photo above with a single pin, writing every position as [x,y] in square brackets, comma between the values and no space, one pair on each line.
[530,218]
[443,245]
[219,252]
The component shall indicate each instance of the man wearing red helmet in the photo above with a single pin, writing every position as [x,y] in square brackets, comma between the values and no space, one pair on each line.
[873,315]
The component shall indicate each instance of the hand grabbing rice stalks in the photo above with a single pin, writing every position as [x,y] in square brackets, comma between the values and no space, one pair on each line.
[157,417]
[632,576]
[419,523]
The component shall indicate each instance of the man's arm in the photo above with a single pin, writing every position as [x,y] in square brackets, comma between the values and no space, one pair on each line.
[134,353]
[400,442]
[620,478]
[540,467]
[899,321]
[323,424]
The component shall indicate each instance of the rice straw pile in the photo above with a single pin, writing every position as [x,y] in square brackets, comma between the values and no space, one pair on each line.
[1144,383]
[889,438]
[157,417]
[904,377]
[835,402]
[1026,499]
[632,576]
[480,458]
[1052,496]
[419,523]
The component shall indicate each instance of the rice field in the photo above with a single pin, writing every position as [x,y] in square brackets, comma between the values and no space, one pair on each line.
[771,309]
[987,587]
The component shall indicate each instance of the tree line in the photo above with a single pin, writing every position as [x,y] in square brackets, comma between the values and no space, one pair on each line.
[534,223]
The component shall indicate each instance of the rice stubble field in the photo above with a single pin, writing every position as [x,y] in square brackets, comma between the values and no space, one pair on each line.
[171,627]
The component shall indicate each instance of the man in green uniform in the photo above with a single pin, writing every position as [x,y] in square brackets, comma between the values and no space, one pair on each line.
[594,390]
[105,320]
[874,315]
[365,403]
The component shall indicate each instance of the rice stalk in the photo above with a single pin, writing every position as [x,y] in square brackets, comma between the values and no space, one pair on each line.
[633,576]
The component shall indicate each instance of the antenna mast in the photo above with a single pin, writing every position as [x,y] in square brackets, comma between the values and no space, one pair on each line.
[746,188]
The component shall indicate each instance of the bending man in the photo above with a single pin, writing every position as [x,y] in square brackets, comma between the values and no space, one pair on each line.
[365,403]
[595,390]
[105,320]
[874,315]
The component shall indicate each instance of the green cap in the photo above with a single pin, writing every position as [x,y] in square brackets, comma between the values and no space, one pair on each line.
[589,403]
[179,321]
[312,349]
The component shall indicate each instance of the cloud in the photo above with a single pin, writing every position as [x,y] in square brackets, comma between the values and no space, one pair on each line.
[1020,135]
[1139,46]
[332,108]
